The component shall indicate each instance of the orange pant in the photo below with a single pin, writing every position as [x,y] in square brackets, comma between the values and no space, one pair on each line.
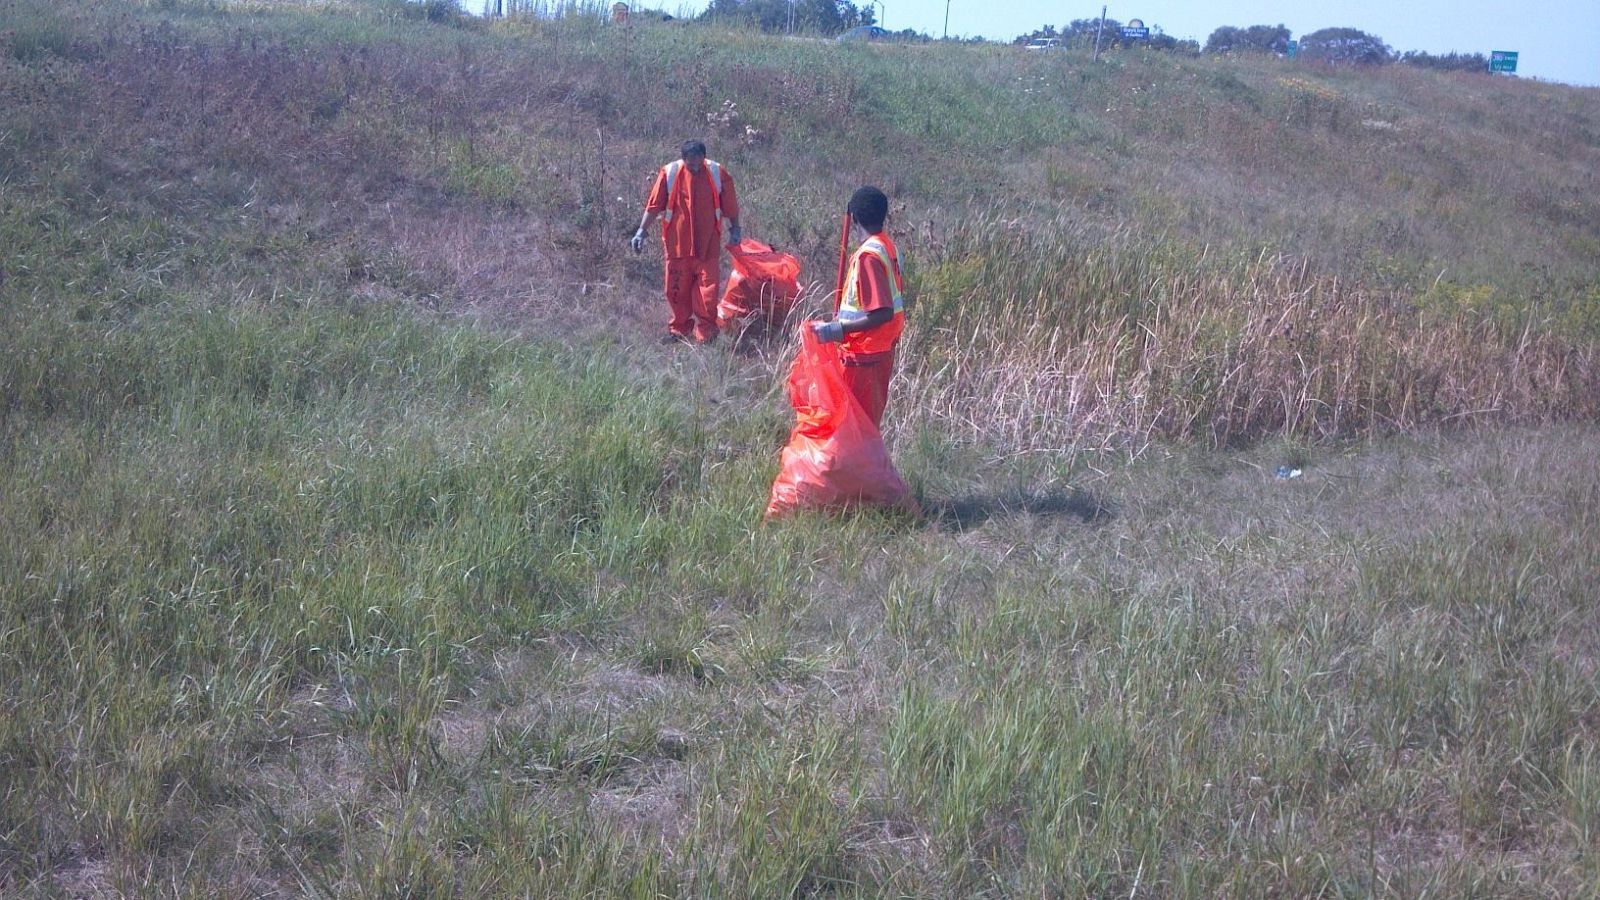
[867,375]
[692,296]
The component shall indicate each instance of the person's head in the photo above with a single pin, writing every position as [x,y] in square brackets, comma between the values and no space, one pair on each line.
[694,153]
[869,207]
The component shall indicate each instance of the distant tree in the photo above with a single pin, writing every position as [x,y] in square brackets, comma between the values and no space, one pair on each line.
[855,15]
[1448,62]
[1081,32]
[1346,45]
[1255,39]
[724,10]
[1170,44]
[1270,38]
[443,11]
[911,36]
[1048,31]
[1224,39]
[820,16]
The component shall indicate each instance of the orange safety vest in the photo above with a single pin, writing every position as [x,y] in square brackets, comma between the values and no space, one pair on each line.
[673,168]
[880,339]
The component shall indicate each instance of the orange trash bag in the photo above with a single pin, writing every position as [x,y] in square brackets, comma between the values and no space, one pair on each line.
[836,458]
[764,281]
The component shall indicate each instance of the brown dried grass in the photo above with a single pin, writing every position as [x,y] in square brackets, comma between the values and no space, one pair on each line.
[1033,343]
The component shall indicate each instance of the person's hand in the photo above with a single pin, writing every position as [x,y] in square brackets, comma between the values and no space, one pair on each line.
[828,332]
[637,243]
[734,235]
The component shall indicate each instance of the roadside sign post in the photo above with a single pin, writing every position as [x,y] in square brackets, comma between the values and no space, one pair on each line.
[1097,31]
[1503,61]
[1293,49]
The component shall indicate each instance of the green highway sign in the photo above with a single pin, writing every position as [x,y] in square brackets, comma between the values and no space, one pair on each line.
[1503,61]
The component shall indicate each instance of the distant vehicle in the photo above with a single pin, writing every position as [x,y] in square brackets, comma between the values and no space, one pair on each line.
[1044,44]
[866,33]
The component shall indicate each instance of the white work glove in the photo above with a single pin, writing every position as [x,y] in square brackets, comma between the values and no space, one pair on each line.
[637,243]
[828,332]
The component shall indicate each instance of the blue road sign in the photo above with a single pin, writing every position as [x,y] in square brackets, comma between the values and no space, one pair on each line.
[1503,61]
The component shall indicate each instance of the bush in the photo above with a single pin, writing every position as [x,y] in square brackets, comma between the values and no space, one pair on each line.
[1447,62]
[1255,39]
[446,12]
[441,10]
[1346,45]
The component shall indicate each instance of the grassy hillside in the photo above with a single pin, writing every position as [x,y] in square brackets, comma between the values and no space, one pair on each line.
[1230,248]
[359,541]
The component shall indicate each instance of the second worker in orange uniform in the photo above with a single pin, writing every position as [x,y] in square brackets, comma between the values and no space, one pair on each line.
[692,196]
[871,311]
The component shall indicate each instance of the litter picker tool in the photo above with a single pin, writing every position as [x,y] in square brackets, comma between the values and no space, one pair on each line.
[844,258]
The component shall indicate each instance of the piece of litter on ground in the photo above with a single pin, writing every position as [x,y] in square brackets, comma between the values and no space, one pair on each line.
[1284,473]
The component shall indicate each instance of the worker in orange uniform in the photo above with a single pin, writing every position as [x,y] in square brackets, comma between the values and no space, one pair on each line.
[692,196]
[871,312]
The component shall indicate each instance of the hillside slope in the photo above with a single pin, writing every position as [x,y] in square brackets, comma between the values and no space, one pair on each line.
[1230,248]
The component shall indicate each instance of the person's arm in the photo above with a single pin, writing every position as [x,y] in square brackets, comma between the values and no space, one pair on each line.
[872,319]
[654,206]
[872,286]
[729,200]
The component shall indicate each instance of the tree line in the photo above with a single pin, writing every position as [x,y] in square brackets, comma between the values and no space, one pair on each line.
[827,17]
[1349,46]
[1337,45]
[1083,32]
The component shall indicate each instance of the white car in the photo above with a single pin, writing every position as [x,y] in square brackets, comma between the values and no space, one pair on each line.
[1044,44]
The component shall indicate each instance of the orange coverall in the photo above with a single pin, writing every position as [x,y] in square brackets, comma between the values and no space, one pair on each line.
[693,244]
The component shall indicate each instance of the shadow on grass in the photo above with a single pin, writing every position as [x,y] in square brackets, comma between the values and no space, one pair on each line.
[969,512]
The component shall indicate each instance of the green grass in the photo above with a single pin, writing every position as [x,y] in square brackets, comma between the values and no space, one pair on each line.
[355,542]
[331,599]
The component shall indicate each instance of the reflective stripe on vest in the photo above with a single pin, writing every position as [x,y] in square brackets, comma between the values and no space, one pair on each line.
[673,168]
[850,303]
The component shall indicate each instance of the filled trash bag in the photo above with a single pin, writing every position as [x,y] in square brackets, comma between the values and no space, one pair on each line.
[764,282]
[836,458]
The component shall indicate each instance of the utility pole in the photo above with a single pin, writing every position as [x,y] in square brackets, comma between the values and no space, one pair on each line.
[947,20]
[1097,34]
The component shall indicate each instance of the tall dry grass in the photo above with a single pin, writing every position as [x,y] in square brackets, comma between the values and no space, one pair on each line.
[1047,338]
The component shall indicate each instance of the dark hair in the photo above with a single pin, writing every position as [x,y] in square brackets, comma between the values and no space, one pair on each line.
[869,207]
[694,148]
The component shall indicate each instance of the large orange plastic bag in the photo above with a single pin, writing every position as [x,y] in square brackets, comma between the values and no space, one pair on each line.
[836,458]
[764,281]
